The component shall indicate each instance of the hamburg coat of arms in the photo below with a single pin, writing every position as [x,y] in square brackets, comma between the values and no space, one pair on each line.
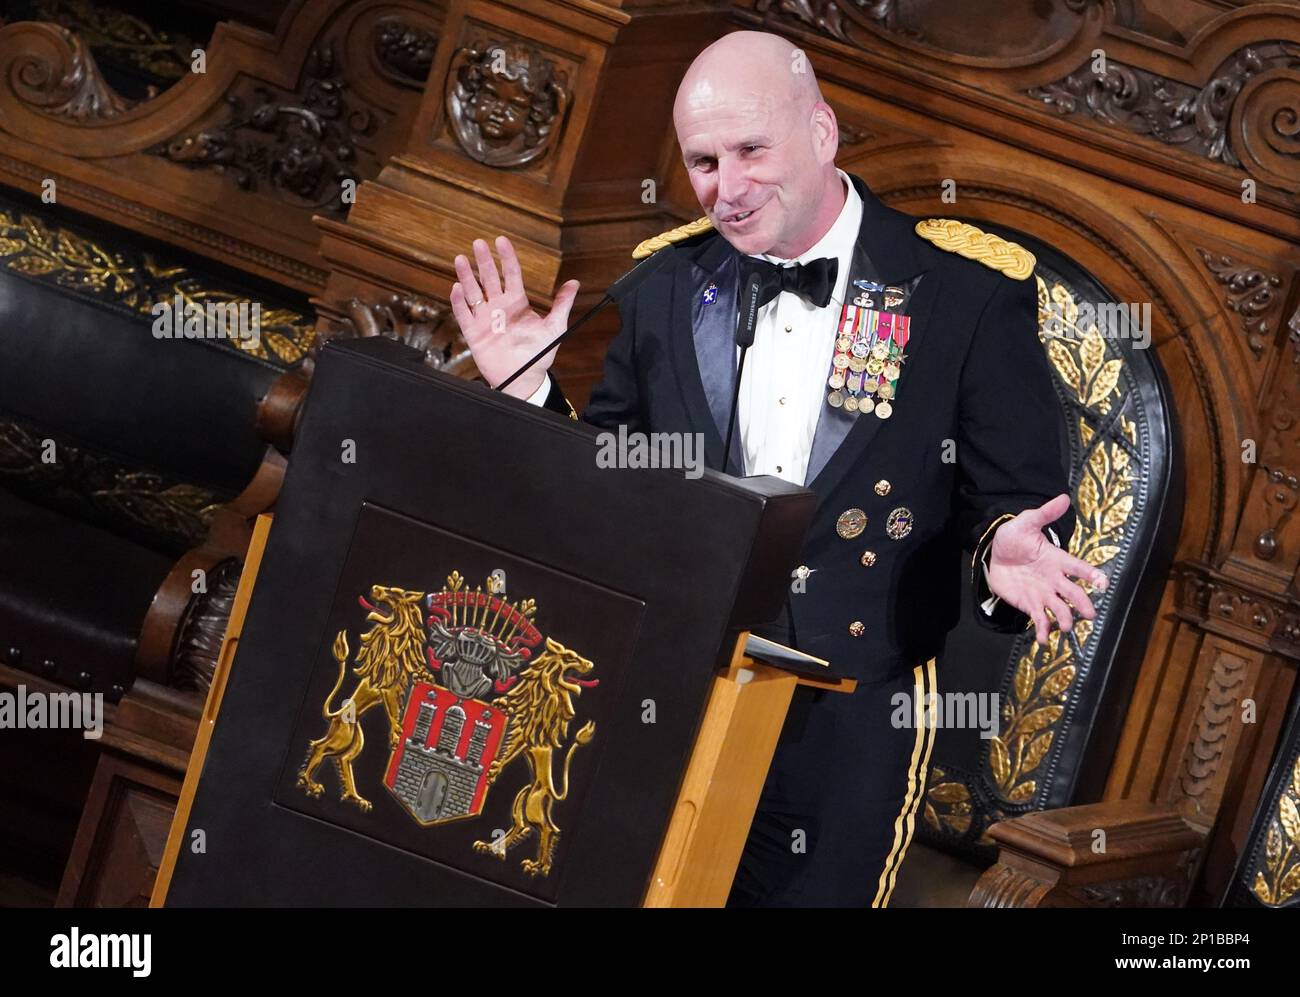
[468,685]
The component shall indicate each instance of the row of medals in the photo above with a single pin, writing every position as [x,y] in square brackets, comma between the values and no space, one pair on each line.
[869,370]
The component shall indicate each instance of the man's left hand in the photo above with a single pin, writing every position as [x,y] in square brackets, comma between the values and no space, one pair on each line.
[1030,572]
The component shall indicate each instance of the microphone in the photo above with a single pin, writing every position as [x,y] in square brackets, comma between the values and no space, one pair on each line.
[746,322]
[618,290]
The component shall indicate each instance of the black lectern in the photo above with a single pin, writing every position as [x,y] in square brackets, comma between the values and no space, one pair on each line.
[477,667]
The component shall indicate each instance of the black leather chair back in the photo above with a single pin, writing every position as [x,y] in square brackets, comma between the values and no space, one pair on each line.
[100,418]
[1060,707]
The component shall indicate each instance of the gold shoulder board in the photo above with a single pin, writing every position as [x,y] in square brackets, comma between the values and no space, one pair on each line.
[658,242]
[968,241]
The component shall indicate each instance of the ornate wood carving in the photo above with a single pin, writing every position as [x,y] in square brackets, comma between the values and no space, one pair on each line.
[506,102]
[204,628]
[1147,857]
[1217,725]
[1253,294]
[1140,891]
[302,145]
[1005,886]
[119,38]
[276,121]
[1196,119]
[404,52]
[64,80]
[410,319]
[837,19]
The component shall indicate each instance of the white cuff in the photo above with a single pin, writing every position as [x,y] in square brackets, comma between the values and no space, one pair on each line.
[538,397]
[991,603]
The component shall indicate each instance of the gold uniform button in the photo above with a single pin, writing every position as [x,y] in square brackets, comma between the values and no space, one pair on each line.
[882,487]
[868,558]
[857,628]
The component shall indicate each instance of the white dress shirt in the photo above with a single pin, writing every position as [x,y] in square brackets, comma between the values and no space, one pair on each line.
[784,385]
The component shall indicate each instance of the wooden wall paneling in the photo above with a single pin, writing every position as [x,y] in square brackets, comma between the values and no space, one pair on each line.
[231,162]
[128,813]
[574,207]
[992,93]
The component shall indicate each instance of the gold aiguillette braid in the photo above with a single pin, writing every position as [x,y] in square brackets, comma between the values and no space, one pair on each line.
[974,244]
[658,242]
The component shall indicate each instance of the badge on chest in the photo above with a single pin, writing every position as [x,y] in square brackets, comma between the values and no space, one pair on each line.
[869,349]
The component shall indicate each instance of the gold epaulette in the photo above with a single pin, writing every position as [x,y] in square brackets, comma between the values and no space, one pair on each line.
[968,241]
[658,242]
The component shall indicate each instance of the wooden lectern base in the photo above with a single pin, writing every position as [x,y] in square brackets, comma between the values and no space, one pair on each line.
[718,795]
[720,791]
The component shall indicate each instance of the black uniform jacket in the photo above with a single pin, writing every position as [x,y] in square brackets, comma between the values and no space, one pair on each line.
[974,435]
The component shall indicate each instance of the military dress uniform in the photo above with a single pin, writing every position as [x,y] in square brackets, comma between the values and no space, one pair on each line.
[935,421]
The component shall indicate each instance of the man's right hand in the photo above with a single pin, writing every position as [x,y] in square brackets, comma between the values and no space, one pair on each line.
[500,327]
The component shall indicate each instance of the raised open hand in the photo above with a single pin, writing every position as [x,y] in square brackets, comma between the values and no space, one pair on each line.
[1030,572]
[499,325]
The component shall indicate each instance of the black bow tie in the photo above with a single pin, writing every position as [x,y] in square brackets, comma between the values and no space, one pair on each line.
[813,281]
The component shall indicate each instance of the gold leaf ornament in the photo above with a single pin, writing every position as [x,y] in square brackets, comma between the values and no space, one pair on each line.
[1066,306]
[1087,497]
[1063,360]
[1024,791]
[1098,556]
[1039,719]
[949,792]
[1290,818]
[931,817]
[1092,351]
[1024,685]
[1106,382]
[1059,682]
[34,266]
[1261,890]
[1037,751]
[1289,886]
[1117,515]
[999,763]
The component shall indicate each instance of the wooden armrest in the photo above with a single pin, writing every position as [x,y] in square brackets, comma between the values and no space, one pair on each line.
[1120,853]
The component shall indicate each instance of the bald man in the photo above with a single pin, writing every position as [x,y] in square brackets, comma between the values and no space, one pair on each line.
[895,371]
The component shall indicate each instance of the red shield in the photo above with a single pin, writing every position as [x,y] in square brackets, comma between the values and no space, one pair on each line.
[438,771]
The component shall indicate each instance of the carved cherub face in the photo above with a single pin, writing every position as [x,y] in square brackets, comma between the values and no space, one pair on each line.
[501,106]
[506,101]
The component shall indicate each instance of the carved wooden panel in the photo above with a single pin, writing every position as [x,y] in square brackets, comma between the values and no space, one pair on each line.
[124,830]
[235,160]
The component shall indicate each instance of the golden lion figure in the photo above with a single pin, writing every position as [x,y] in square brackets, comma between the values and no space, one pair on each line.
[540,707]
[391,657]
